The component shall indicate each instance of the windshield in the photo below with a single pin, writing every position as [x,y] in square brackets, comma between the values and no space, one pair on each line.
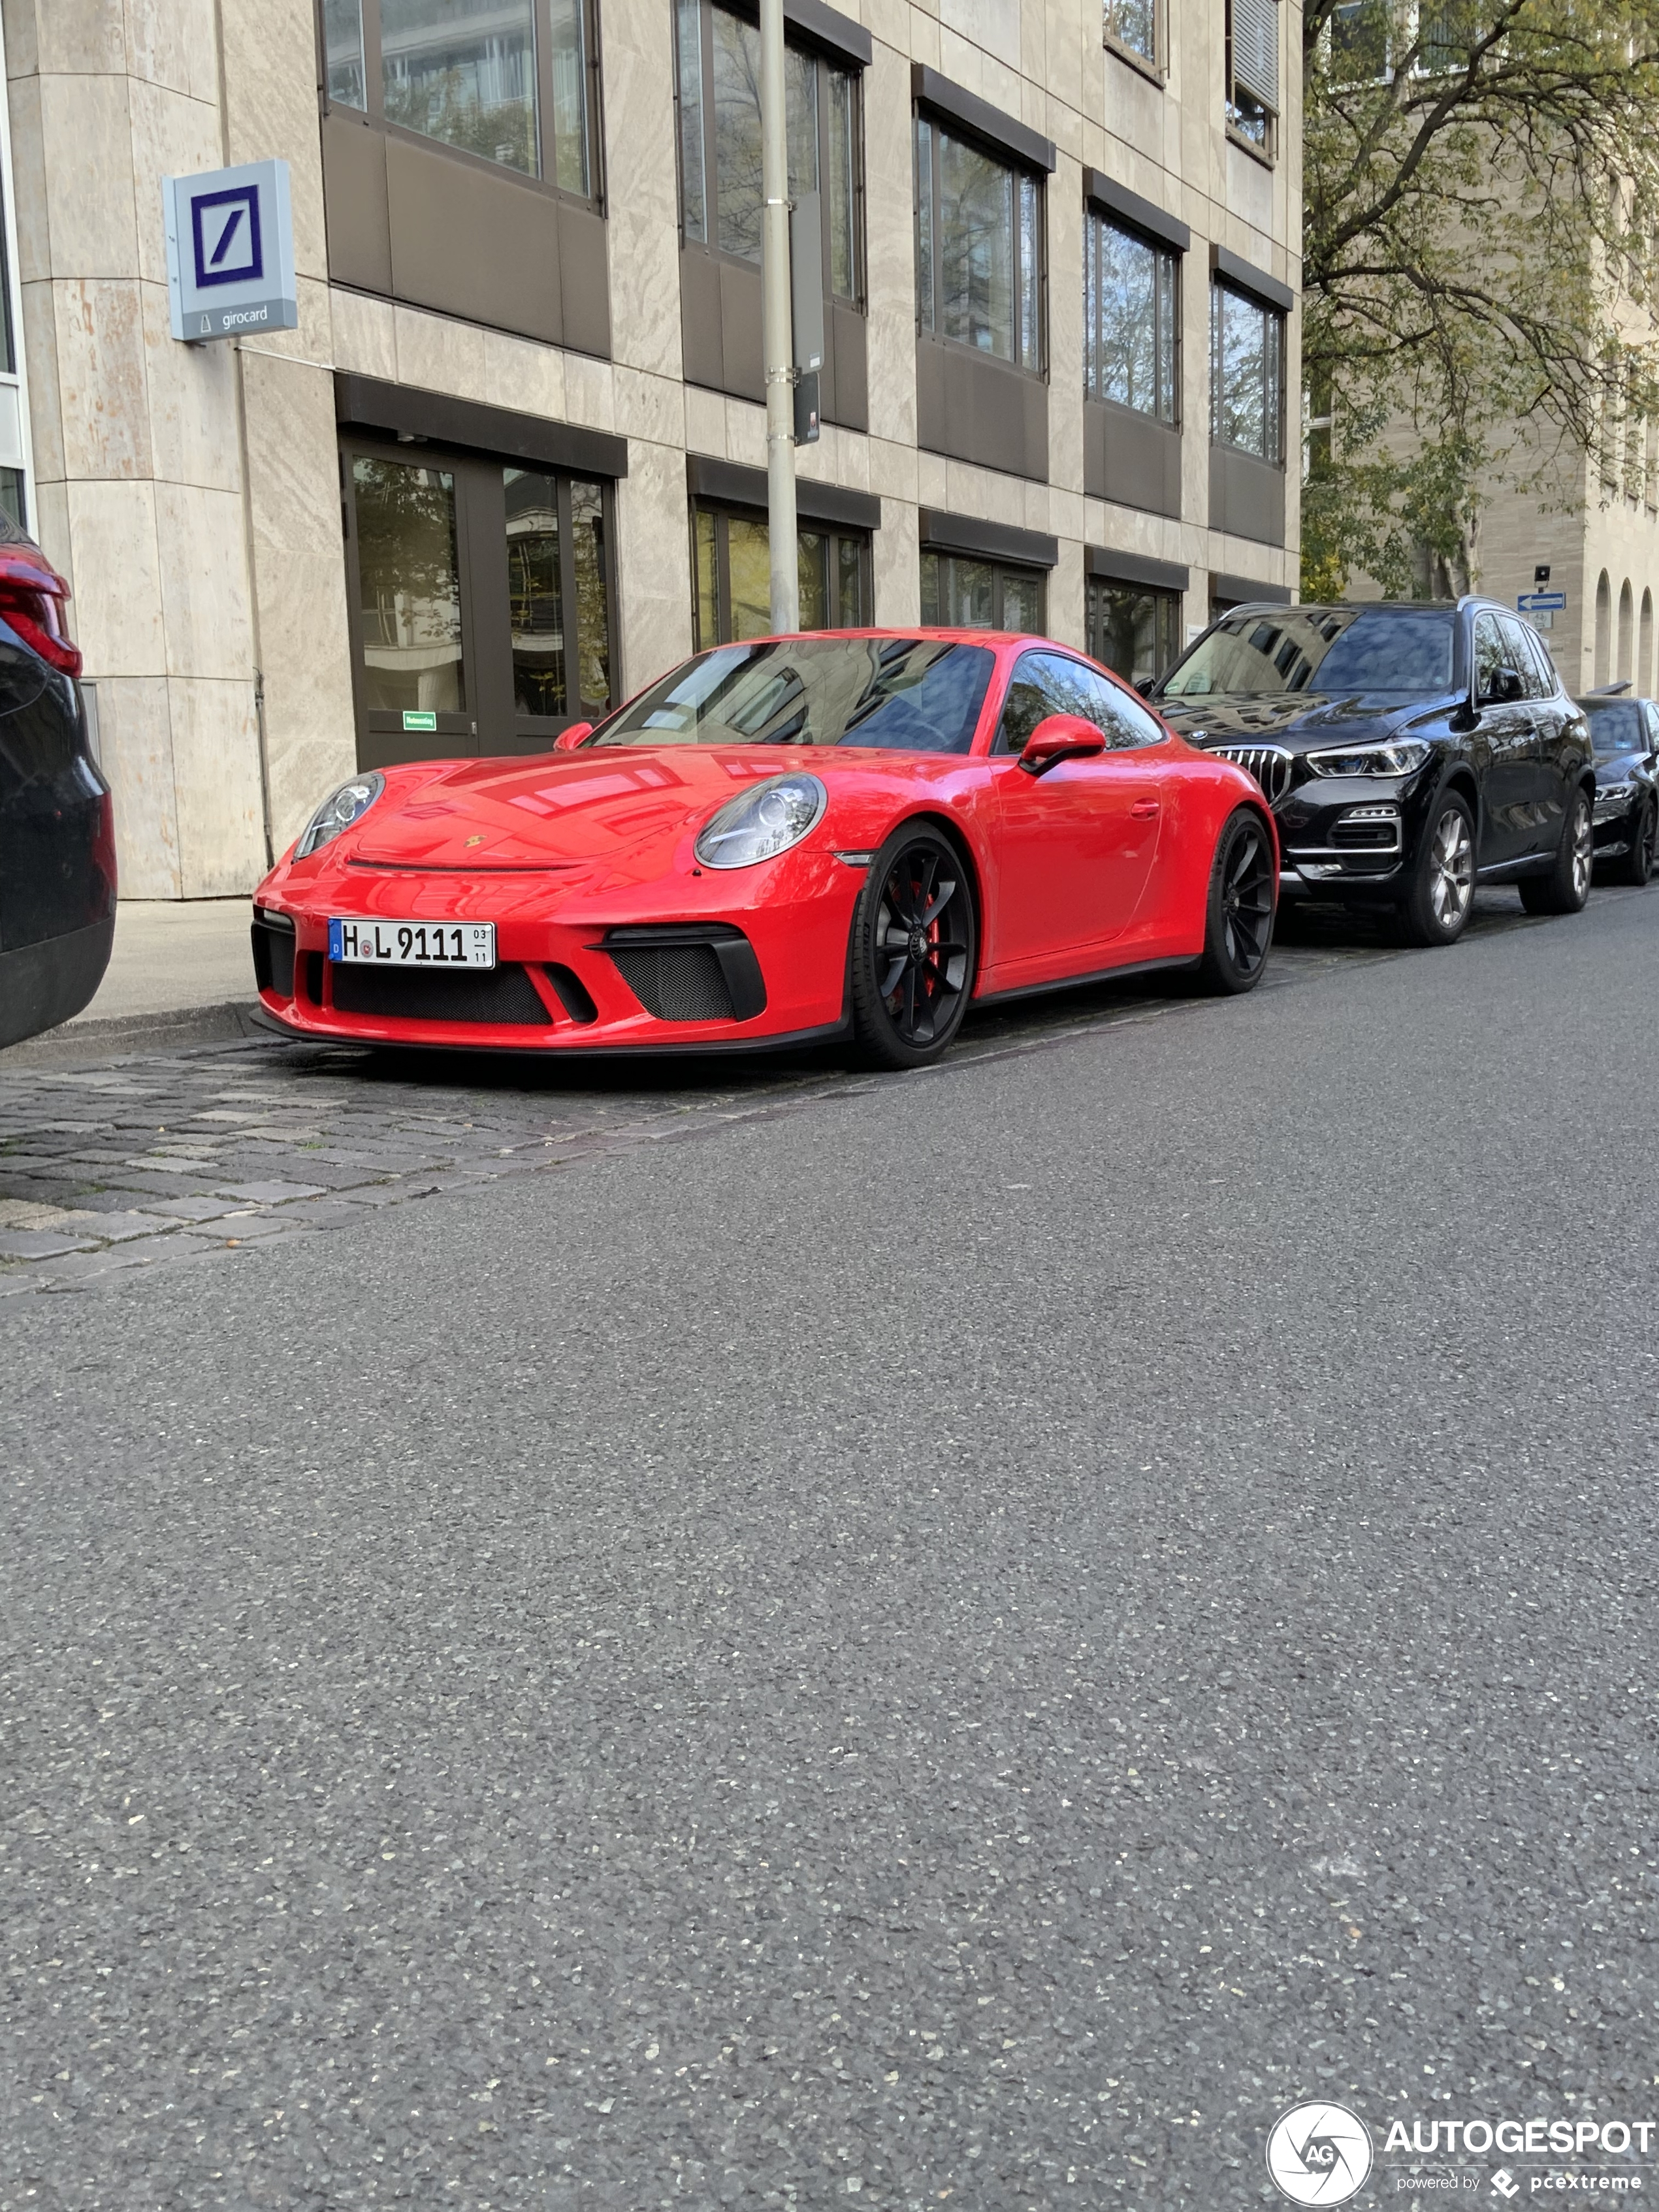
[1616,727]
[1404,650]
[904,694]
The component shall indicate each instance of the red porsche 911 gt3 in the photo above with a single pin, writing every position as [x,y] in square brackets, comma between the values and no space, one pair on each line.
[840,835]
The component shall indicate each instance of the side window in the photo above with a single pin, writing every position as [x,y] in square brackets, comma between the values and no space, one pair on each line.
[1047,684]
[1520,654]
[1651,720]
[1031,698]
[1488,656]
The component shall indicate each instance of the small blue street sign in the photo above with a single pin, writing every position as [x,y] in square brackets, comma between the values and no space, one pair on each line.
[1541,603]
[230,251]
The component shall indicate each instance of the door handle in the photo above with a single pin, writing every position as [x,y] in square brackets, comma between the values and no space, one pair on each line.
[1143,810]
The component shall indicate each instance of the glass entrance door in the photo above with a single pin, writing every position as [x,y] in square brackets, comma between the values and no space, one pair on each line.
[482,604]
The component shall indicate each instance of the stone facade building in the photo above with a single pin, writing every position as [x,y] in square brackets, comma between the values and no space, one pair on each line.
[509,466]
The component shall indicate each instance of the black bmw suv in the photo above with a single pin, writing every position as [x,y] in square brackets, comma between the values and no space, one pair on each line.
[1626,734]
[1409,751]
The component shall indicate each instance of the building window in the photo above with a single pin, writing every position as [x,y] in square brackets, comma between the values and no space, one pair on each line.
[1252,64]
[959,592]
[979,248]
[1133,630]
[1131,319]
[721,198]
[732,576]
[509,81]
[481,604]
[1133,25]
[1247,375]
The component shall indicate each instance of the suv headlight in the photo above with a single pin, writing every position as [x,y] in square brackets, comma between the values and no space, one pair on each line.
[1614,798]
[762,821]
[1403,757]
[338,811]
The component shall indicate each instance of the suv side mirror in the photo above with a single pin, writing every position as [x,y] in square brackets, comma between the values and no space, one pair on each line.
[1505,687]
[567,740]
[1060,738]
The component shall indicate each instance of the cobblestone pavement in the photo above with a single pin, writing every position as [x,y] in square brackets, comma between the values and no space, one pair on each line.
[184,1155]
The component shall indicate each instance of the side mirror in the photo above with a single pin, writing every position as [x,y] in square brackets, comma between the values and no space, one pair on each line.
[1506,687]
[1060,737]
[567,740]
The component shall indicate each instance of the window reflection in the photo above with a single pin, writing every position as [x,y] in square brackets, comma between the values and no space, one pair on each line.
[1246,374]
[958,592]
[738,191]
[535,593]
[1129,336]
[1132,630]
[732,577]
[592,609]
[979,248]
[409,587]
[464,72]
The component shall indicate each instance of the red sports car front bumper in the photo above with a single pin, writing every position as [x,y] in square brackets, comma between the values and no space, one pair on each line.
[693,964]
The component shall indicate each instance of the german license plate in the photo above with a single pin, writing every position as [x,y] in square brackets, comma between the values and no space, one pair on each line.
[412,944]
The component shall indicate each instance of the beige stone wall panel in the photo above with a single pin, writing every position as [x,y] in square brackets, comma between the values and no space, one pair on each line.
[174,43]
[898,567]
[205,589]
[135,733]
[889,222]
[363,334]
[29,169]
[300,573]
[67,36]
[87,168]
[173,136]
[191,404]
[215,781]
[642,187]
[118,578]
[271,108]
[102,388]
[40,349]
[653,563]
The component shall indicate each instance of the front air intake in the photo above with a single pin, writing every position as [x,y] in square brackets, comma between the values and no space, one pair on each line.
[503,995]
[693,971]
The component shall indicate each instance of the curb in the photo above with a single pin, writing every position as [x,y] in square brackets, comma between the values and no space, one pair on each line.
[126,1035]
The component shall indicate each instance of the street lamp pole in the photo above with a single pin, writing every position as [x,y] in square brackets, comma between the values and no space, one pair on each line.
[777,326]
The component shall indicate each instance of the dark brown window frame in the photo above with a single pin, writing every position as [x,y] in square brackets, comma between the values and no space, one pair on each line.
[373,117]
[480,502]
[723,510]
[800,38]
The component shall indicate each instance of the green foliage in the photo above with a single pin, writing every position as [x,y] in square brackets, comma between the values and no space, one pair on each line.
[1482,203]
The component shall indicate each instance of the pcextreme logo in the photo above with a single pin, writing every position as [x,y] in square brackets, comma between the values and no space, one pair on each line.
[1319,2153]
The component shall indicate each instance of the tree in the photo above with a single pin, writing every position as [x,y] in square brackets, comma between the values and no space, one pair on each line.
[1482,201]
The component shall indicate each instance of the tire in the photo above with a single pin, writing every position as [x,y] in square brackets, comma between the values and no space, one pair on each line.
[915,943]
[1636,866]
[1436,909]
[1566,887]
[1238,918]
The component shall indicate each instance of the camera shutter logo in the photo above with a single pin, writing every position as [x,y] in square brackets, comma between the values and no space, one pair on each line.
[1319,2153]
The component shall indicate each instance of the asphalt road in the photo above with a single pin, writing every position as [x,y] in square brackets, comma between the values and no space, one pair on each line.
[963,1641]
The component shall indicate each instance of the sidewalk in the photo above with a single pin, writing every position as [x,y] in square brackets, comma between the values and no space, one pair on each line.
[181,973]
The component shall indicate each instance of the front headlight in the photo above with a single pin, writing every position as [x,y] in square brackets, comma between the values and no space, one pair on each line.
[338,811]
[762,821]
[1401,757]
[1614,798]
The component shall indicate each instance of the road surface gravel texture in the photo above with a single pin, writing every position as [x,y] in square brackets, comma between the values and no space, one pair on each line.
[962,1644]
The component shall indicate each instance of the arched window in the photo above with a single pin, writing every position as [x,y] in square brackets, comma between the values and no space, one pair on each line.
[1603,630]
[1644,648]
[1626,633]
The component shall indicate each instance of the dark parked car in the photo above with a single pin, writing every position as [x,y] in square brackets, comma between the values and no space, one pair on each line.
[1626,735]
[57,834]
[1410,751]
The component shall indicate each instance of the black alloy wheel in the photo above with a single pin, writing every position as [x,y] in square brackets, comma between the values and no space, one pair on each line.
[1636,866]
[1238,926]
[915,937]
[1436,909]
[1567,885]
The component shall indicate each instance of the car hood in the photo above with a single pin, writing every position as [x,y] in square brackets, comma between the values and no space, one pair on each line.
[1306,722]
[1618,768]
[566,810]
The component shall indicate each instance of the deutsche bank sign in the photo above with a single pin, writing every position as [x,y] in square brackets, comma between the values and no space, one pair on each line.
[230,251]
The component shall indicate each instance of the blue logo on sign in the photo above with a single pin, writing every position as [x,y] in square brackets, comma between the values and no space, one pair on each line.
[225,232]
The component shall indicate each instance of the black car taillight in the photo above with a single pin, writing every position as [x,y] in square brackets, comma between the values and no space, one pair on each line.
[31,604]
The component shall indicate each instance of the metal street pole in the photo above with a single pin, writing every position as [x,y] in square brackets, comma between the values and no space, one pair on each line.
[775,326]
